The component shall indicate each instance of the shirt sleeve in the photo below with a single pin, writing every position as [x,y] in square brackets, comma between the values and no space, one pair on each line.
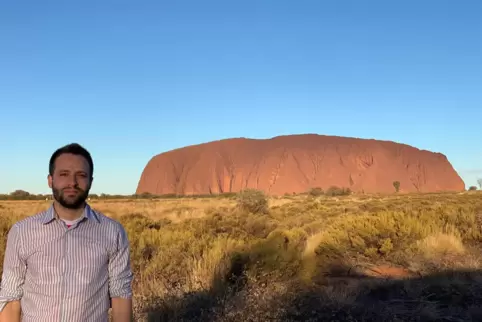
[14,268]
[120,273]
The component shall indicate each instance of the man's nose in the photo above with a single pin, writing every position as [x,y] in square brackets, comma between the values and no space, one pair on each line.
[72,180]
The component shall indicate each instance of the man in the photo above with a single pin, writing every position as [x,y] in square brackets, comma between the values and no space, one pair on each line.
[68,263]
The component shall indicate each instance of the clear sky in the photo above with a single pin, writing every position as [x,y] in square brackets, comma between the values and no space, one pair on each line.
[131,79]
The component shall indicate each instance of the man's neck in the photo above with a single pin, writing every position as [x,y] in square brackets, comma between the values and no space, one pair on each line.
[66,213]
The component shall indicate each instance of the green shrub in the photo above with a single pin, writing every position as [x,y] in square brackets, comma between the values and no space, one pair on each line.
[315,192]
[396,185]
[279,255]
[336,191]
[252,200]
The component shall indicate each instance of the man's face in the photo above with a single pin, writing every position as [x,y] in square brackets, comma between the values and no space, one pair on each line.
[71,180]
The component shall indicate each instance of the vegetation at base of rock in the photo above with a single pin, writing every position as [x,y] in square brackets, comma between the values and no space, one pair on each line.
[298,257]
[396,185]
[315,192]
[252,200]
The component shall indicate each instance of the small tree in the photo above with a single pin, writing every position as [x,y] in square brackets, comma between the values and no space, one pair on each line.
[472,188]
[316,191]
[252,200]
[396,184]
[479,182]
[336,191]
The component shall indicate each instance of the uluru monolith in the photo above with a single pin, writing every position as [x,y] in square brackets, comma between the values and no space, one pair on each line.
[296,163]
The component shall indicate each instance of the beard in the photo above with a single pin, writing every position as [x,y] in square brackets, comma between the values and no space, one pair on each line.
[76,202]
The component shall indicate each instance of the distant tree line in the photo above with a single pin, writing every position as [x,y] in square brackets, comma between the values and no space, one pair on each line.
[25,195]
[316,191]
[331,191]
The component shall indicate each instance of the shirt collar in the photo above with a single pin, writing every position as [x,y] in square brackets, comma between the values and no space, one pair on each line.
[88,213]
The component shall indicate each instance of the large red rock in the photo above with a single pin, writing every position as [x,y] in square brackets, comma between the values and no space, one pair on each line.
[296,163]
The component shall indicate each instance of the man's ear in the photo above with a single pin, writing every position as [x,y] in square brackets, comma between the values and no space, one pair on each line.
[49,179]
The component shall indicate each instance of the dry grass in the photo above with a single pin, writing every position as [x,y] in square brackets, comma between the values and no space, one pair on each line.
[307,257]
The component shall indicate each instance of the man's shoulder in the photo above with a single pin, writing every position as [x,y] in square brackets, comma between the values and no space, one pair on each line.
[111,223]
[32,220]
[112,228]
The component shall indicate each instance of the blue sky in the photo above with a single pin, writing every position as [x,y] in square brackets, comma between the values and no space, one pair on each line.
[129,80]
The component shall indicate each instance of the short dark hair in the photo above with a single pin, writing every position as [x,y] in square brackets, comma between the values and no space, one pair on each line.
[72,148]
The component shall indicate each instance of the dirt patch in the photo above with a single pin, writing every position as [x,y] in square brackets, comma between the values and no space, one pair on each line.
[387,271]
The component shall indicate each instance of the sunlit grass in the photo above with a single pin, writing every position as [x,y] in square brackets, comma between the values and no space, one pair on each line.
[189,255]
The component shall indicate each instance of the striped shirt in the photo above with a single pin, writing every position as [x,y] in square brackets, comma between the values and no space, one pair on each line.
[62,274]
